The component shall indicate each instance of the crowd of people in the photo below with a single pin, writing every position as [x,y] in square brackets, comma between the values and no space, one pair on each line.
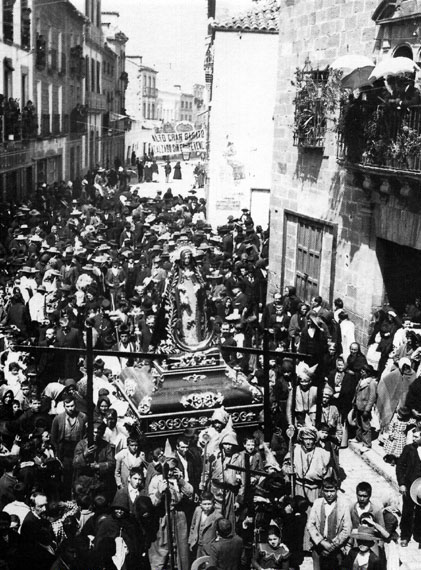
[96,253]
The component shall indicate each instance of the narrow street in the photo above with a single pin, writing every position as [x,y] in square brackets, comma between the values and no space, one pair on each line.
[357,470]
[149,189]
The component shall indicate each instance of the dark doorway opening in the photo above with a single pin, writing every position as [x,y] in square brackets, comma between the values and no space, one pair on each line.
[401,271]
[403,51]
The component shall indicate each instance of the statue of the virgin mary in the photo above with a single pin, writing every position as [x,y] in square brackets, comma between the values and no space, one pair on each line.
[185,303]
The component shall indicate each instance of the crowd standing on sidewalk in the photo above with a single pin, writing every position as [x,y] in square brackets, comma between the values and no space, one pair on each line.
[94,250]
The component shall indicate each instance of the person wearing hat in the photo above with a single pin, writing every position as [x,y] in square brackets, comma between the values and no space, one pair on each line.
[396,435]
[329,528]
[330,415]
[170,484]
[17,314]
[226,484]
[364,400]
[37,308]
[298,409]
[69,270]
[117,526]
[28,284]
[310,465]
[115,280]
[408,473]
[362,555]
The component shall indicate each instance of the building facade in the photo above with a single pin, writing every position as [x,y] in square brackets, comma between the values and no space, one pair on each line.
[59,71]
[186,107]
[16,32]
[115,121]
[345,216]
[199,105]
[241,109]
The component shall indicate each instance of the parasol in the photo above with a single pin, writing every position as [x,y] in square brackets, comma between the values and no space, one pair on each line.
[393,66]
[356,70]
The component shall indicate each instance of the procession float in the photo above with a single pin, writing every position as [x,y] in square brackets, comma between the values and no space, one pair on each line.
[189,378]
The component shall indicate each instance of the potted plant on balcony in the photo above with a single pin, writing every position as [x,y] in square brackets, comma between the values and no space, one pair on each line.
[410,144]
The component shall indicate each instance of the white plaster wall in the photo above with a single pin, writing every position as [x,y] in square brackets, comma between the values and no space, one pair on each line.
[241,120]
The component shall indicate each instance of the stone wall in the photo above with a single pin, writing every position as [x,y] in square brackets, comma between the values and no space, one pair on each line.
[310,182]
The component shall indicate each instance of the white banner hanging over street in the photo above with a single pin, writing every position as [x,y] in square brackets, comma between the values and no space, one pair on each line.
[176,143]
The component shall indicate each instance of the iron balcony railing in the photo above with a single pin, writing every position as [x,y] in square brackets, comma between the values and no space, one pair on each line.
[150,92]
[309,123]
[386,136]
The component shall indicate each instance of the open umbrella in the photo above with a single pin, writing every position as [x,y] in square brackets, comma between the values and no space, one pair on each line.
[356,70]
[393,66]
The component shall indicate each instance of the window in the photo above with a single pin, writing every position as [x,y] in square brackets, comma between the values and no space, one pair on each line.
[49,47]
[8,82]
[153,111]
[8,20]
[93,74]
[309,246]
[98,77]
[25,28]
[24,88]
[309,249]
[87,74]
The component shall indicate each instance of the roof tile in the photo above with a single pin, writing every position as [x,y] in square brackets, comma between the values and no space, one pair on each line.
[263,17]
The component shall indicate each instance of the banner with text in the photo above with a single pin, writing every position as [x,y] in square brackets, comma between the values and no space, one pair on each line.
[176,143]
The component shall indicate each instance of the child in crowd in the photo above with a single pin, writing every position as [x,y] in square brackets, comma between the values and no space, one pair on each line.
[203,526]
[396,434]
[272,554]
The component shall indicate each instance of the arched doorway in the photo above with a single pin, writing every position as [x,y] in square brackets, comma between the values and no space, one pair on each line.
[404,51]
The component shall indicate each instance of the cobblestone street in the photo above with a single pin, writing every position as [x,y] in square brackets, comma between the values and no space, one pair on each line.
[358,470]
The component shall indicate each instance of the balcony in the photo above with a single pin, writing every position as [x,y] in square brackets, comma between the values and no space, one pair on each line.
[150,92]
[381,138]
[45,125]
[96,102]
